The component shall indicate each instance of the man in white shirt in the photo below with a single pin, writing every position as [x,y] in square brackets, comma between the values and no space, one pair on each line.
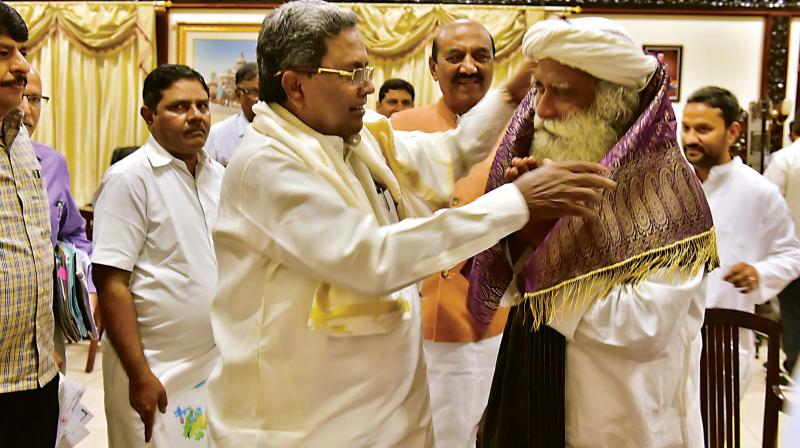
[758,250]
[225,136]
[784,171]
[155,270]
[324,230]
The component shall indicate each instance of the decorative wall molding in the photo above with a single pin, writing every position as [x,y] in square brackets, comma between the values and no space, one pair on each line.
[777,55]
[776,60]
[683,5]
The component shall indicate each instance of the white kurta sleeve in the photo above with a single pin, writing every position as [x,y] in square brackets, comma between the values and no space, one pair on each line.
[291,215]
[782,263]
[120,223]
[443,157]
[777,172]
[638,322]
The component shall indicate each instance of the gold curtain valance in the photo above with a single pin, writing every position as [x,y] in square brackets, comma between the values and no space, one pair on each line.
[92,58]
[393,30]
[93,27]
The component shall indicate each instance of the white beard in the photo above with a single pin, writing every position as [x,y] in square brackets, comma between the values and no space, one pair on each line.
[587,135]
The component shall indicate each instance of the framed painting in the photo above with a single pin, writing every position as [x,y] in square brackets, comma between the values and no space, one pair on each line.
[217,51]
[671,55]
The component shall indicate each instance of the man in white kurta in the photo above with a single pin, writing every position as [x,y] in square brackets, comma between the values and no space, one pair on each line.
[317,315]
[579,366]
[784,171]
[153,224]
[632,376]
[758,250]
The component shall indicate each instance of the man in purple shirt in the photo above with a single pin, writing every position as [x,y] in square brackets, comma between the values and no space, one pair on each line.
[65,219]
[66,223]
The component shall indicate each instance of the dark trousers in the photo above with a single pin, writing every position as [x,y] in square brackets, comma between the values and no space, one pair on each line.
[789,300]
[29,418]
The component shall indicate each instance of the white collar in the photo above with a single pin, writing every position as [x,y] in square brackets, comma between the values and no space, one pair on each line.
[718,173]
[725,167]
[241,123]
[158,156]
[340,145]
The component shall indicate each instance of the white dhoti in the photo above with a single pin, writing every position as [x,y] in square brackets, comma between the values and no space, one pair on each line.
[184,424]
[459,378]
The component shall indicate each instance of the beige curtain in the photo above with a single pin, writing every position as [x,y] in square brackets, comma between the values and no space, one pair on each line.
[93,58]
[398,38]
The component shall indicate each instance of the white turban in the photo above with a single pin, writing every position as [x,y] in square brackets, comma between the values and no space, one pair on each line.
[594,45]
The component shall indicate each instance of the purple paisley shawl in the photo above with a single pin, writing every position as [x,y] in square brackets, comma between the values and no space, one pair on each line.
[656,218]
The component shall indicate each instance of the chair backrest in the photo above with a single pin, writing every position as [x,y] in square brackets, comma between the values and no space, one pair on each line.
[122,152]
[719,376]
[87,213]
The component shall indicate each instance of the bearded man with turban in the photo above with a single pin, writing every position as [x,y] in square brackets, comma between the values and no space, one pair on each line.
[602,344]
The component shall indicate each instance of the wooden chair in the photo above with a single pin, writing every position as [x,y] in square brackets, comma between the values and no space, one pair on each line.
[719,377]
[87,212]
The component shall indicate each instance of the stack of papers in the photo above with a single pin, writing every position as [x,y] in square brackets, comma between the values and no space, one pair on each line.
[71,298]
[72,415]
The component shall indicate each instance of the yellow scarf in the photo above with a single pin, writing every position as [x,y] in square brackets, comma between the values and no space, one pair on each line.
[336,310]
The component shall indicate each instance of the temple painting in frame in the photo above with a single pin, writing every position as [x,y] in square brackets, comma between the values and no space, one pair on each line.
[217,51]
[670,55]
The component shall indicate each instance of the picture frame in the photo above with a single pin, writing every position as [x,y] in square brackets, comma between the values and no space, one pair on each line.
[672,56]
[216,51]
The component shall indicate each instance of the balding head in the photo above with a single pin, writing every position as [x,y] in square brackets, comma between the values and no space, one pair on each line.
[462,62]
[32,101]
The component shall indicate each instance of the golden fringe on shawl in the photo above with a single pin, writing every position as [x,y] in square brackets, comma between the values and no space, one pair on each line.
[687,258]
[656,221]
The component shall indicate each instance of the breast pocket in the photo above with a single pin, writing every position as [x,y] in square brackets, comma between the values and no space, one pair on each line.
[164,244]
[33,196]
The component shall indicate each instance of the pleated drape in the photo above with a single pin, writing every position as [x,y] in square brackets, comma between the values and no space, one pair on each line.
[93,58]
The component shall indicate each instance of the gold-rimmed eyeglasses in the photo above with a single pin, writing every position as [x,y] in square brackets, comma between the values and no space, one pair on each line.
[358,76]
[36,100]
[251,93]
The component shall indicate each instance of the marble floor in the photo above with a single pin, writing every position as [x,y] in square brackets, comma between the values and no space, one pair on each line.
[751,411]
[752,406]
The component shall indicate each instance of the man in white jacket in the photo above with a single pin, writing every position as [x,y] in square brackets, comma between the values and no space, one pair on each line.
[324,230]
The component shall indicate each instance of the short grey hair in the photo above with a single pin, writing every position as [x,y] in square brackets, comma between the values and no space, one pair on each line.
[293,36]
